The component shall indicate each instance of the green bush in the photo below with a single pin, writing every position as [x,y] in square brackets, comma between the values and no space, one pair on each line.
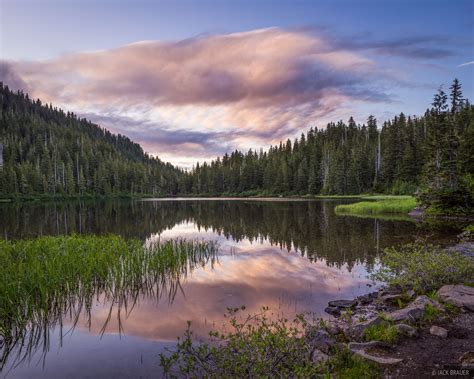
[258,347]
[255,347]
[423,266]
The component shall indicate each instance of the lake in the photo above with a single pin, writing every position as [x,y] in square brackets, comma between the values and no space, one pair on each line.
[290,255]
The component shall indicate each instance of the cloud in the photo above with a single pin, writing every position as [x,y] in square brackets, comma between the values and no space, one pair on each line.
[466,64]
[10,77]
[414,47]
[202,96]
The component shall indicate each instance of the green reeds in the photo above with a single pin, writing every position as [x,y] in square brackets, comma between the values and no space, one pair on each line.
[402,205]
[43,279]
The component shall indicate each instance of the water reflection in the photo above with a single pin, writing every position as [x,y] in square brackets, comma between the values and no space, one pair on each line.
[311,227]
[293,256]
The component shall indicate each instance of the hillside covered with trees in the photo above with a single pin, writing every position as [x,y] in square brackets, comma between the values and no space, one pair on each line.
[433,153]
[48,151]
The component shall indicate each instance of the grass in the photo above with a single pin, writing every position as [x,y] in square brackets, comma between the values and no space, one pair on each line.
[423,267]
[381,205]
[384,332]
[45,278]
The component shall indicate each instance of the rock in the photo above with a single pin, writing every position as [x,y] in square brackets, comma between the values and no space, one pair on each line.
[334,311]
[458,295]
[357,330]
[438,331]
[320,339]
[368,298]
[334,307]
[317,356]
[333,329]
[415,310]
[360,349]
[406,330]
[343,303]
[390,299]
[467,359]
[465,248]
[410,294]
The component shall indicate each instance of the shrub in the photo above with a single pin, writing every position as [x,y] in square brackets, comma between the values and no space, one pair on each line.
[258,347]
[255,347]
[423,266]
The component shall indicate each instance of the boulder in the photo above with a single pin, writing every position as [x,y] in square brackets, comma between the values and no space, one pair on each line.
[458,295]
[410,294]
[333,329]
[343,303]
[357,330]
[317,356]
[320,339]
[406,330]
[438,331]
[415,310]
[333,311]
[361,350]
[367,299]
[467,359]
[390,299]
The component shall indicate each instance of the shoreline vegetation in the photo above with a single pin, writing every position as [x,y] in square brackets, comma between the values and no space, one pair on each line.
[52,197]
[45,278]
[380,206]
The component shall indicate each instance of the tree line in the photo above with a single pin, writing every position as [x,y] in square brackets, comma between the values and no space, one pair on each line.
[432,153]
[48,151]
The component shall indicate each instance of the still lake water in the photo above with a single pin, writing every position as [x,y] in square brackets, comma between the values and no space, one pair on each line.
[290,255]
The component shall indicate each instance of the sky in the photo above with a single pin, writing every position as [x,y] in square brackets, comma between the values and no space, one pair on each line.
[192,80]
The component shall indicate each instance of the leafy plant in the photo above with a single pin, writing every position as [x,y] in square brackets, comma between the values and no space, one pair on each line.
[423,266]
[255,347]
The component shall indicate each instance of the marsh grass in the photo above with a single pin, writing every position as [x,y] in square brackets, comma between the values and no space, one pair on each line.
[43,279]
[401,204]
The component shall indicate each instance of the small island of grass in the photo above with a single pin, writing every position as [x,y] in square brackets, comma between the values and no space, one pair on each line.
[379,205]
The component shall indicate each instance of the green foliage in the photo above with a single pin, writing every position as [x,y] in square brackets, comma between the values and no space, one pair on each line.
[44,278]
[400,187]
[423,266]
[384,332]
[403,205]
[258,346]
[345,365]
[469,228]
[255,347]
[431,313]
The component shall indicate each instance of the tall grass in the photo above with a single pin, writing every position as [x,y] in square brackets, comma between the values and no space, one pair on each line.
[45,278]
[403,205]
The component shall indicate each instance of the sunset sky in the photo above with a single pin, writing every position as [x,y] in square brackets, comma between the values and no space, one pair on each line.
[191,80]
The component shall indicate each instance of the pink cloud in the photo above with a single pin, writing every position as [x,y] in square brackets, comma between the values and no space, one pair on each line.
[267,84]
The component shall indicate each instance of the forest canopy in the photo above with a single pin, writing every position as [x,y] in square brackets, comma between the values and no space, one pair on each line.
[48,151]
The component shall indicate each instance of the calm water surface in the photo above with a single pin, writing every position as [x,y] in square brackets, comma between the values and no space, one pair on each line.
[293,256]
